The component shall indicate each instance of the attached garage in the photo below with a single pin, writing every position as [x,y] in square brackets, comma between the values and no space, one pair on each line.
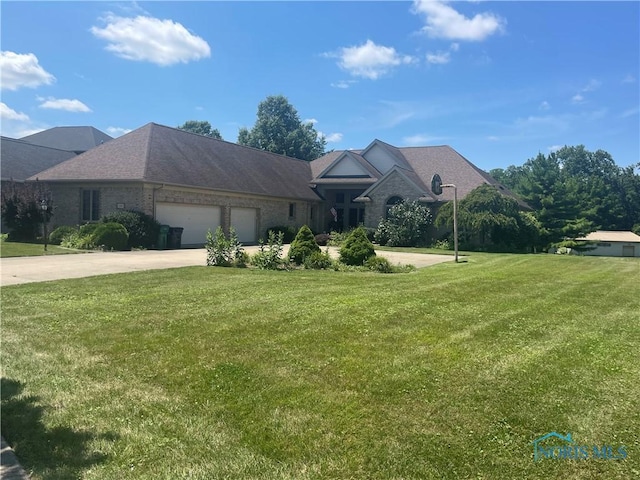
[195,219]
[245,223]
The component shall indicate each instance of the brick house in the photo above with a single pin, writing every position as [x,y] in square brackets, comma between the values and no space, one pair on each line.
[198,183]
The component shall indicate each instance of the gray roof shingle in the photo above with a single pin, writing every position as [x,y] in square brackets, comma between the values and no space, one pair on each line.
[74,139]
[159,154]
[20,160]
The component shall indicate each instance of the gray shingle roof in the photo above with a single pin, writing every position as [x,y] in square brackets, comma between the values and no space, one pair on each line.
[20,160]
[75,139]
[159,154]
[424,162]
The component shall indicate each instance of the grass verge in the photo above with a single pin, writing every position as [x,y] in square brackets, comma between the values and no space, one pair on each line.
[448,372]
[20,249]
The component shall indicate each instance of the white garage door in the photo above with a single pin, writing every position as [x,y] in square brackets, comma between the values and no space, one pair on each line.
[244,221]
[195,219]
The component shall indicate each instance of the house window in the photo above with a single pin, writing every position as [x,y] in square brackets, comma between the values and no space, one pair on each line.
[604,244]
[292,210]
[395,200]
[90,205]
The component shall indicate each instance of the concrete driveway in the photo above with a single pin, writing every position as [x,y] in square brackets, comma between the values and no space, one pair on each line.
[17,270]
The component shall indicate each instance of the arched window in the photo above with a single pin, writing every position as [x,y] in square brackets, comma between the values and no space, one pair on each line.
[395,200]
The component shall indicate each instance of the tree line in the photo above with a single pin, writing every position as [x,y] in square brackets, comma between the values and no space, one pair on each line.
[574,191]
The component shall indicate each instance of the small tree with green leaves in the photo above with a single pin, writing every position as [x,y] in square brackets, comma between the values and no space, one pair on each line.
[303,245]
[269,257]
[406,225]
[357,248]
[223,251]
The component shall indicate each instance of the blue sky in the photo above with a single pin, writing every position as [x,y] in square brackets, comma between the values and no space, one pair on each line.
[498,81]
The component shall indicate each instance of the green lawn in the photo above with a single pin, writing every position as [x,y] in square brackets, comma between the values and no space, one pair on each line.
[204,373]
[19,249]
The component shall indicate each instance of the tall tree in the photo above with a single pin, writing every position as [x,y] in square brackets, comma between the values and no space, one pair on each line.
[278,129]
[201,127]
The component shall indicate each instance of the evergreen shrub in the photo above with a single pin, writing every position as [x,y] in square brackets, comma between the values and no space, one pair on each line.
[110,236]
[357,248]
[303,245]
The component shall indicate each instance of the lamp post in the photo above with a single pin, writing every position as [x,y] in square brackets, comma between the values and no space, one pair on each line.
[44,207]
[455,216]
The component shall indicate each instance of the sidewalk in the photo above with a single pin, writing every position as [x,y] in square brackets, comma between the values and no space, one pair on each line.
[10,468]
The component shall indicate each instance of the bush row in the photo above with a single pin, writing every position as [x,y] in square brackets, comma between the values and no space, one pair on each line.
[356,253]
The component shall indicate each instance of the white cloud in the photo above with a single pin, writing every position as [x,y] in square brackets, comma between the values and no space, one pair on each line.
[312,121]
[117,131]
[629,79]
[7,113]
[554,148]
[69,105]
[443,21]
[22,70]
[420,140]
[493,138]
[143,38]
[333,137]
[544,106]
[370,60]
[630,113]
[439,58]
[577,98]
[343,84]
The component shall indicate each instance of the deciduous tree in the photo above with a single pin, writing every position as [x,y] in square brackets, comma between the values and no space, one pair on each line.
[278,129]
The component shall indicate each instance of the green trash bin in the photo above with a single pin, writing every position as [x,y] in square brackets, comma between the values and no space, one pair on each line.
[162,237]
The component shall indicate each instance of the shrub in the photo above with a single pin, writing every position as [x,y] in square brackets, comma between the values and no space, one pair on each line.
[143,229]
[59,234]
[110,236]
[303,245]
[442,244]
[405,226]
[318,261]
[337,238]
[223,252]
[322,239]
[270,256]
[379,264]
[356,248]
[289,233]
[82,238]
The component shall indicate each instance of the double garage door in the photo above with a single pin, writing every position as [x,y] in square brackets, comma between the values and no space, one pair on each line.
[198,219]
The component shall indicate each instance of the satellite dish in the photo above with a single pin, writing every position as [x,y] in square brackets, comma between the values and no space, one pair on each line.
[436,184]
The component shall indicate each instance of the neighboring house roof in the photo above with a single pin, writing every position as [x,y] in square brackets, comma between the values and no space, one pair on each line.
[74,139]
[420,164]
[165,155]
[20,160]
[611,236]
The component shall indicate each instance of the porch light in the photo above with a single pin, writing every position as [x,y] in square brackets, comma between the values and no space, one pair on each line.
[455,216]
[44,207]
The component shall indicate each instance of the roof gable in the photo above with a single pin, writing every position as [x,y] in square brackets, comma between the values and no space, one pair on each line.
[349,165]
[409,178]
[384,156]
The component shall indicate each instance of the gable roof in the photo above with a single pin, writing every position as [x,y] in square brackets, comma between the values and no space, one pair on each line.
[74,139]
[20,160]
[348,160]
[159,154]
[612,236]
[419,164]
